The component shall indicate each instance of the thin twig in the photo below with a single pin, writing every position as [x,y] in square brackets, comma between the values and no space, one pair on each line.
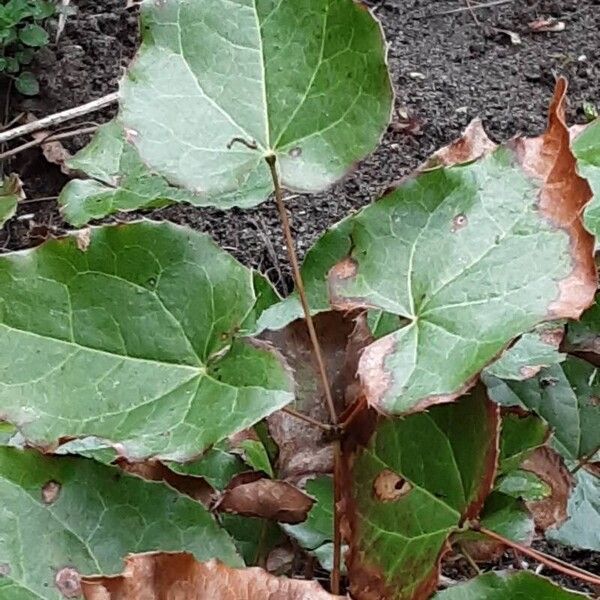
[466,8]
[49,138]
[584,460]
[60,117]
[306,418]
[469,559]
[472,13]
[291,250]
[549,561]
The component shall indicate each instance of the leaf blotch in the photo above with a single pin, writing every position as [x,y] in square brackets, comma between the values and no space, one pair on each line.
[389,486]
[295,152]
[460,221]
[50,492]
[4,569]
[68,582]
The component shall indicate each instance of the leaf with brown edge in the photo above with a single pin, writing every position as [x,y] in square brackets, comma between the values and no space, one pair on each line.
[549,467]
[158,576]
[408,487]
[252,495]
[473,255]
[303,448]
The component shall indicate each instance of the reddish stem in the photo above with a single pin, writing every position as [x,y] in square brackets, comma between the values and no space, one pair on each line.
[545,559]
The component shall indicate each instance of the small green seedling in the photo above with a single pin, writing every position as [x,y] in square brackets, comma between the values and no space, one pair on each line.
[21,33]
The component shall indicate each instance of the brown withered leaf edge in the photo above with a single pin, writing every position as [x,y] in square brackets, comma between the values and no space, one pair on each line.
[178,576]
[563,196]
[549,467]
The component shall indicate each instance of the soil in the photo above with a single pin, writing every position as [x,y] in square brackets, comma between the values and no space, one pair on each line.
[446,69]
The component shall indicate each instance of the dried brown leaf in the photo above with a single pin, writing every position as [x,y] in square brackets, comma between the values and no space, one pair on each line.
[251,495]
[303,448]
[549,467]
[161,576]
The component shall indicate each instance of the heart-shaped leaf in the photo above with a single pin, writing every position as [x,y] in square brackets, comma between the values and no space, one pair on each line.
[473,255]
[61,518]
[131,334]
[409,488]
[217,87]
[502,585]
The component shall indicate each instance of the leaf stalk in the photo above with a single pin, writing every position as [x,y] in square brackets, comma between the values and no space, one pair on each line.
[299,283]
[545,559]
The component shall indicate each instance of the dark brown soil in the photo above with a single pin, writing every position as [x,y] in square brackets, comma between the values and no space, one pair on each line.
[446,70]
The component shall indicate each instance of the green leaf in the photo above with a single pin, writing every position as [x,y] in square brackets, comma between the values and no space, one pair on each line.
[502,585]
[381,323]
[74,513]
[27,84]
[586,147]
[137,331]
[8,207]
[565,396]
[218,466]
[470,256]
[506,516]
[316,533]
[306,83]
[584,335]
[412,485]
[88,447]
[254,538]
[256,456]
[33,35]
[521,434]
[523,484]
[582,528]
[12,66]
[119,180]
[25,56]
[509,517]
[529,354]
[42,9]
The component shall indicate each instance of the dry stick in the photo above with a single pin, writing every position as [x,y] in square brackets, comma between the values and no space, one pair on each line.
[307,419]
[549,561]
[291,250]
[57,118]
[45,140]
[467,8]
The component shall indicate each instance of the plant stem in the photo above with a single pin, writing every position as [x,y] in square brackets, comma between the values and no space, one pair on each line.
[306,419]
[57,118]
[299,283]
[549,561]
[291,250]
[585,459]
